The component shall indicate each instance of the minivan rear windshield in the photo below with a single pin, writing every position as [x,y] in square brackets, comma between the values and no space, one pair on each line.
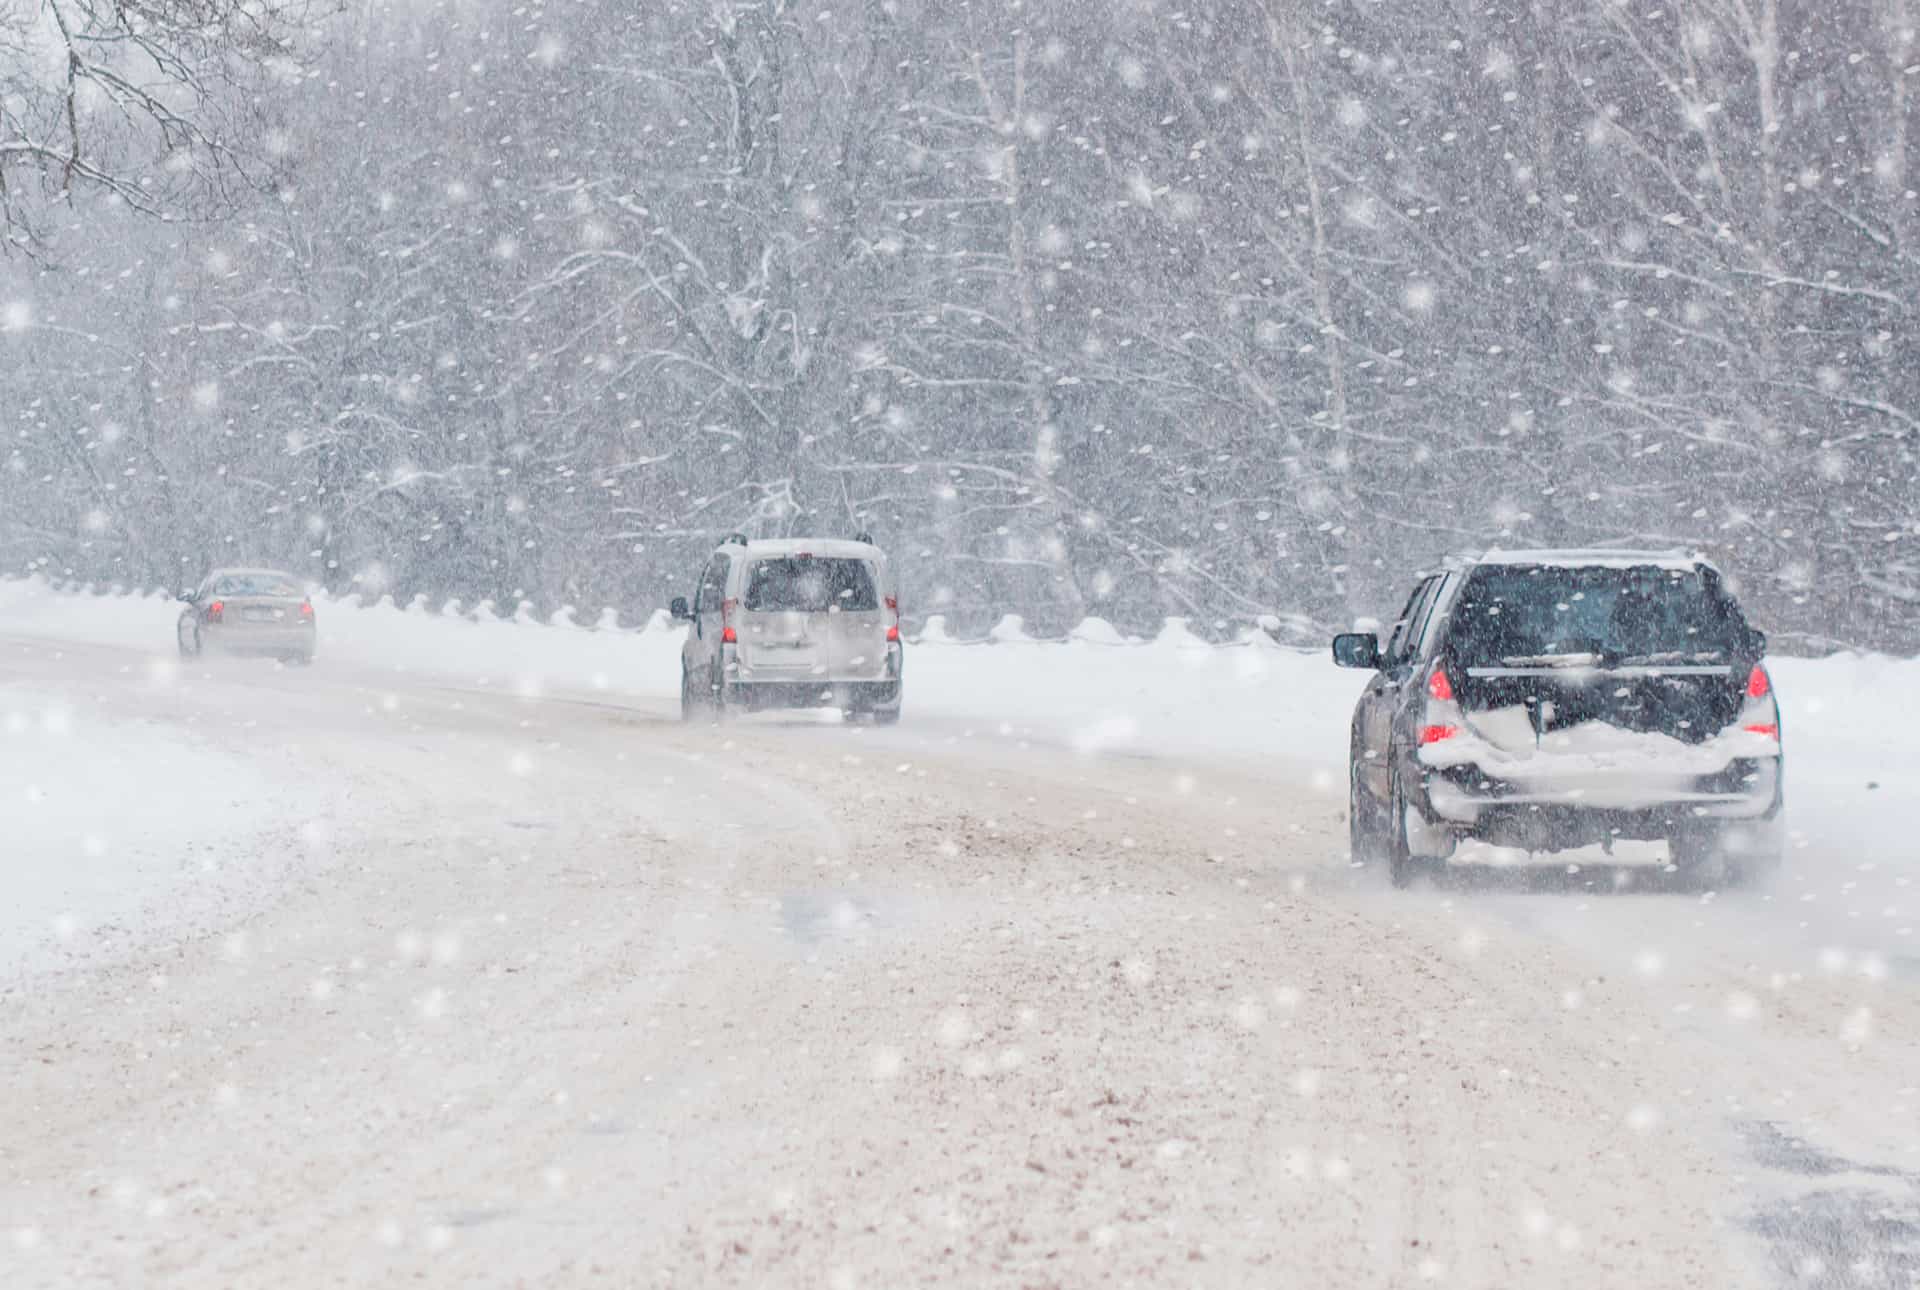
[1515,615]
[808,584]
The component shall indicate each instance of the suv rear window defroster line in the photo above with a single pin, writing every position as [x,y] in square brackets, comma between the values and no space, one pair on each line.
[1517,618]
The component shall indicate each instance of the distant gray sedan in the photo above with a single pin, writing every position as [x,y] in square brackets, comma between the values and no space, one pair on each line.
[248,611]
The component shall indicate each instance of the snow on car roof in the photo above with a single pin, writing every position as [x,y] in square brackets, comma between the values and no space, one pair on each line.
[840,548]
[1599,558]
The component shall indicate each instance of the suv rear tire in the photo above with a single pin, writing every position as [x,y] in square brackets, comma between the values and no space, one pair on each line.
[1402,865]
[1703,858]
[1363,841]
[1753,871]
[1362,820]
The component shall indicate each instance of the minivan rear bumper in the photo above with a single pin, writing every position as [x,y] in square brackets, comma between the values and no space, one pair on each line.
[751,670]
[865,696]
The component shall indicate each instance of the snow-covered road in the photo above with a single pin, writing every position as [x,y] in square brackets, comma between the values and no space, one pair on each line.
[475,988]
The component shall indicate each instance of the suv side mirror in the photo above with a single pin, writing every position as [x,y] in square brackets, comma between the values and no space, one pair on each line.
[679,609]
[1357,649]
[188,597]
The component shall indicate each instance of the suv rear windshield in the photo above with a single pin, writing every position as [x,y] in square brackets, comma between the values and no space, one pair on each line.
[1512,615]
[807,584]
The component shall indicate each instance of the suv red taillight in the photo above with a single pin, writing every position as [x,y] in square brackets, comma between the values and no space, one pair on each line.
[1760,714]
[306,611]
[215,610]
[1440,706]
[728,636]
[893,634]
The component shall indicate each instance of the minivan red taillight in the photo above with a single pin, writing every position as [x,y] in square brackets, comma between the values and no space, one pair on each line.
[216,610]
[728,636]
[1438,686]
[1759,684]
[306,611]
[893,634]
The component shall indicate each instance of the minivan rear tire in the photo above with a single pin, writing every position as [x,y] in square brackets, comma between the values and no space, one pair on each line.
[718,705]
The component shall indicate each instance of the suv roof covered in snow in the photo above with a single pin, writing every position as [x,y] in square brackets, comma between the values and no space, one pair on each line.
[1598,557]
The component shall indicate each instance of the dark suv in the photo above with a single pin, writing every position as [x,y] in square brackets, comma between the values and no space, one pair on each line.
[1567,707]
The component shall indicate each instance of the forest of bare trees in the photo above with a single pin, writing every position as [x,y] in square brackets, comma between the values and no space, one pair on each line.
[1112,307]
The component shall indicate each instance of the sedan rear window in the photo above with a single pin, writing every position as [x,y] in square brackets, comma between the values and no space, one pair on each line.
[1515,615]
[255,584]
[806,584]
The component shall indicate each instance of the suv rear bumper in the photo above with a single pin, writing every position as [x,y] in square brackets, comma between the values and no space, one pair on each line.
[1748,788]
[1461,802]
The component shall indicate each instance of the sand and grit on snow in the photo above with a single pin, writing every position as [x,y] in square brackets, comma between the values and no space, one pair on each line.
[113,823]
[1065,981]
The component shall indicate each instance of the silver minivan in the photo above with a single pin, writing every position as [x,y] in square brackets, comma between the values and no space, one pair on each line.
[793,623]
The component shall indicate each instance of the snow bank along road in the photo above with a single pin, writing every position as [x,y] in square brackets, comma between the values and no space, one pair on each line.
[460,987]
